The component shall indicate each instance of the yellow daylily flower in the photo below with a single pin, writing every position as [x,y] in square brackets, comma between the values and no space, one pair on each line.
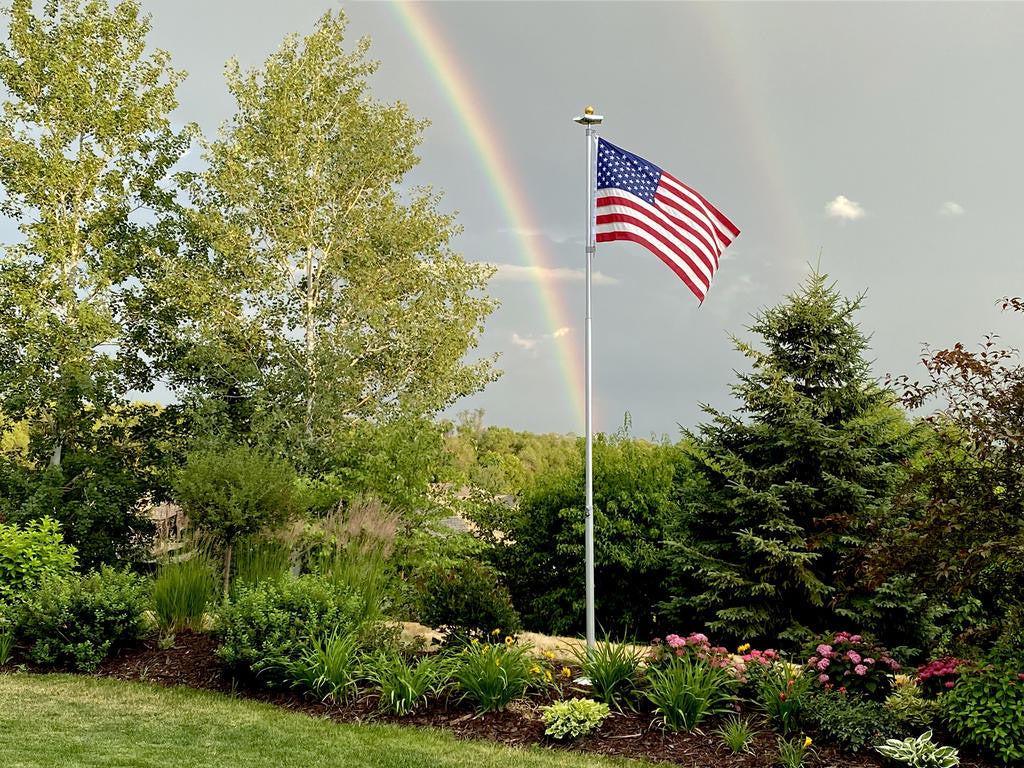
[508,640]
[496,631]
[566,672]
[534,670]
[807,742]
[547,675]
[549,654]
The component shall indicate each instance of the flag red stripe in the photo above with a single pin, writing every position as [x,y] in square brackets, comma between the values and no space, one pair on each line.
[604,237]
[699,228]
[678,239]
[642,225]
[731,228]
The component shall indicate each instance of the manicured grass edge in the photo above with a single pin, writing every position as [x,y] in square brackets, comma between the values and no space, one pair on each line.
[69,720]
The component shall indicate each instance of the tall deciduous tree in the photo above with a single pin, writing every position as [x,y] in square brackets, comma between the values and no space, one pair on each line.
[796,481]
[348,307]
[85,144]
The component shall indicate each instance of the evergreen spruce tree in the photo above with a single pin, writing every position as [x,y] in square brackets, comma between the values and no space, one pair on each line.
[795,482]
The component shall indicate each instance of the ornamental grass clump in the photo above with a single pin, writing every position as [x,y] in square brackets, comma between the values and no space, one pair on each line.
[687,690]
[404,685]
[852,664]
[181,592]
[613,670]
[573,718]
[328,667]
[492,675]
[737,733]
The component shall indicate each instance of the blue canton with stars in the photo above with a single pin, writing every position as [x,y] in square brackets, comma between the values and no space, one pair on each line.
[623,170]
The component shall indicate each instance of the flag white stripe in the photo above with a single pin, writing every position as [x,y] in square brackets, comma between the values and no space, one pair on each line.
[657,247]
[724,232]
[665,227]
[697,219]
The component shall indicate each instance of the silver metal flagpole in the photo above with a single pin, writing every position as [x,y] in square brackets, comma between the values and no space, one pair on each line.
[589,119]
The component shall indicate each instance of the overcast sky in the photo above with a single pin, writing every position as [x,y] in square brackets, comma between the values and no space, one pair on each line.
[883,139]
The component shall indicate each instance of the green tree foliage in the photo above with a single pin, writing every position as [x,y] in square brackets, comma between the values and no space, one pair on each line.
[539,544]
[85,142]
[341,304]
[500,460]
[963,532]
[85,149]
[230,491]
[99,491]
[796,481]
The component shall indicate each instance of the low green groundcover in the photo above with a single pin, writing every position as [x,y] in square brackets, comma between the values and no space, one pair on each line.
[60,721]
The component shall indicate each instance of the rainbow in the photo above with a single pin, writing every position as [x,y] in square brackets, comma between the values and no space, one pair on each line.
[466,104]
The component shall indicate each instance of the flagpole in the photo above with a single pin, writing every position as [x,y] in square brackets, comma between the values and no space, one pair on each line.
[589,119]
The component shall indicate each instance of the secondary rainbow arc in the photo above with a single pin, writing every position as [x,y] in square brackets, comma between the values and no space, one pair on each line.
[503,182]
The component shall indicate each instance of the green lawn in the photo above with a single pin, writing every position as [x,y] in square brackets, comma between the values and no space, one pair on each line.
[69,720]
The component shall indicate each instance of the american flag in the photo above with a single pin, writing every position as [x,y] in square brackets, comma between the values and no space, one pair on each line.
[638,201]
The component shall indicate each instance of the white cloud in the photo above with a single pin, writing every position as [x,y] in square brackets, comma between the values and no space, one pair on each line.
[520,273]
[531,342]
[843,207]
[950,208]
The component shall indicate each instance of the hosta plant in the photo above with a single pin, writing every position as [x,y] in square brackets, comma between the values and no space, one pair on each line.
[573,718]
[921,752]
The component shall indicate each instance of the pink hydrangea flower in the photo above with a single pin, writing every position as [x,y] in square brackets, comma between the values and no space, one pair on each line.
[869,661]
[675,641]
[950,683]
[698,637]
[860,669]
[822,678]
[824,650]
[822,664]
[813,660]
[855,638]
[853,656]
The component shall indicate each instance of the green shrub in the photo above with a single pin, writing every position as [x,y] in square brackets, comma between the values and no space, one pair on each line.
[911,709]
[986,710]
[782,693]
[78,621]
[841,660]
[465,601]
[850,722]
[491,676]
[737,733]
[688,690]
[30,554]
[266,627]
[573,718]
[181,592]
[613,671]
[230,491]
[921,752]
[404,685]
[327,666]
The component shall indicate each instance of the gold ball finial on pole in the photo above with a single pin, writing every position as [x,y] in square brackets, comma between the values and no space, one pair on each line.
[588,117]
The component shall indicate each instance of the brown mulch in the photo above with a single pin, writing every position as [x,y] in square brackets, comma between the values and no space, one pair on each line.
[192,661]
